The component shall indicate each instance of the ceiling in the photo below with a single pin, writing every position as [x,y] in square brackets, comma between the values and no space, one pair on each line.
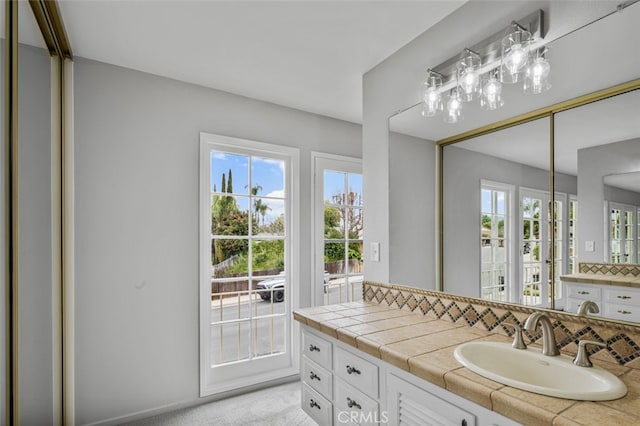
[308,55]
[598,56]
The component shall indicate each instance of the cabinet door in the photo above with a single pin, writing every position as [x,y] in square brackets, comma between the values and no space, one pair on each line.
[408,405]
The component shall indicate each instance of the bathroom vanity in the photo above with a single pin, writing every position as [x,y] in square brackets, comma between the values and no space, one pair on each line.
[614,288]
[390,360]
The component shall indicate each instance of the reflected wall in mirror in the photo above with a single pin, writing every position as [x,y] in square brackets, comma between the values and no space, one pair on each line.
[496,215]
[599,144]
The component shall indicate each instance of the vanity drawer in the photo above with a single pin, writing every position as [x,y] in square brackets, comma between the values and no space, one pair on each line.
[584,292]
[354,406]
[356,371]
[316,349]
[317,377]
[622,312]
[622,296]
[316,406]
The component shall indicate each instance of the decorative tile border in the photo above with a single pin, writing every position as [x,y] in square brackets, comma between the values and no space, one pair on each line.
[622,339]
[619,269]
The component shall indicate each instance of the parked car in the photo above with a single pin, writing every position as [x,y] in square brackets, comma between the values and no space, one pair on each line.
[274,287]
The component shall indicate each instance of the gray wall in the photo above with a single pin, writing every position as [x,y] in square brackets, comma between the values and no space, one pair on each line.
[411,211]
[593,164]
[136,158]
[463,170]
[35,244]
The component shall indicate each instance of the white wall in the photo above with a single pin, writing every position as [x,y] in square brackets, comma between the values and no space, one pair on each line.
[411,211]
[136,159]
[35,289]
[393,85]
[463,170]
[593,164]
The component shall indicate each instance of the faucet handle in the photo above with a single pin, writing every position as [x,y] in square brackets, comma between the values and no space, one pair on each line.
[518,340]
[582,357]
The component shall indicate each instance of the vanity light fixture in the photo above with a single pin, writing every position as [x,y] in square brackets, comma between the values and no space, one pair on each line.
[536,79]
[515,54]
[491,93]
[431,94]
[468,76]
[453,113]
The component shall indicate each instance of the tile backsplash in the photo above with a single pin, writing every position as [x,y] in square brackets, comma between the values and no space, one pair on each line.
[622,340]
[619,269]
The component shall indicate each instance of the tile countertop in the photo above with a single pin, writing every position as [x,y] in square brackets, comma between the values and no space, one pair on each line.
[619,280]
[424,347]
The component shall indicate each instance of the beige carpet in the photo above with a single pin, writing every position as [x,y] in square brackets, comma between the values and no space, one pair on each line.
[275,406]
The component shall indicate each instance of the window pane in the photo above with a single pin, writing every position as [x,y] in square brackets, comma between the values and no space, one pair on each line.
[334,187]
[355,190]
[229,257]
[268,215]
[268,334]
[354,221]
[229,173]
[268,256]
[229,342]
[230,215]
[267,177]
[333,223]
[230,300]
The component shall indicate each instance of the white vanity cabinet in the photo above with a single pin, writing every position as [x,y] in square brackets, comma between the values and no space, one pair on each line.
[343,385]
[616,302]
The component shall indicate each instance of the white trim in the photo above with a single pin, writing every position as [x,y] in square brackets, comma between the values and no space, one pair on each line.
[321,161]
[288,363]
[68,254]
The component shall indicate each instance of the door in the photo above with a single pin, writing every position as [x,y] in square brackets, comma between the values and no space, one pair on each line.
[247,262]
[338,235]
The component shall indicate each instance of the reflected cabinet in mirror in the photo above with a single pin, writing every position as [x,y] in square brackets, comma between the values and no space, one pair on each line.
[536,203]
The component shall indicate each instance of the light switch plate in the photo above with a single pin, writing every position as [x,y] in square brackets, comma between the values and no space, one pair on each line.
[374,255]
[590,246]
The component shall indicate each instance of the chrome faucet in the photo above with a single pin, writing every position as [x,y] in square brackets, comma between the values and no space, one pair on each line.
[588,307]
[549,345]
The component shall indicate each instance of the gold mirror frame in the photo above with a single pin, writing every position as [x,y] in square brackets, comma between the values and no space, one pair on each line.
[550,112]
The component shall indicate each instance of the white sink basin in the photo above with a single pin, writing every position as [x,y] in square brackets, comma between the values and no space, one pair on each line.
[531,371]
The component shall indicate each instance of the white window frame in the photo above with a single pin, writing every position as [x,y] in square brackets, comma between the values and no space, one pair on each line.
[321,161]
[213,385]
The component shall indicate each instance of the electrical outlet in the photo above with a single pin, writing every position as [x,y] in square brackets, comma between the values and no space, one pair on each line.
[590,246]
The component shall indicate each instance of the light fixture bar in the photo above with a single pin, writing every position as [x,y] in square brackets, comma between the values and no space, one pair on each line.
[490,49]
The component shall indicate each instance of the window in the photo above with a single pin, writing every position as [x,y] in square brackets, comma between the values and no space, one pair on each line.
[494,241]
[338,210]
[622,233]
[573,232]
[247,262]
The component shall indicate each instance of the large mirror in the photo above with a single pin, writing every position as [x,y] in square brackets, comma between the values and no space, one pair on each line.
[496,235]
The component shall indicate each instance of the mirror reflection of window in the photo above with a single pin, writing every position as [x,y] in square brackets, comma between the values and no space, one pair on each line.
[494,242]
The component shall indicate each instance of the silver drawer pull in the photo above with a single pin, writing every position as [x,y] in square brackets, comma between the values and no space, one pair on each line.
[583,292]
[314,376]
[624,312]
[312,404]
[352,370]
[351,403]
[624,297]
[313,348]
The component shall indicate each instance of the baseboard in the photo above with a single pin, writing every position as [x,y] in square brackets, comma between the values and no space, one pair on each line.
[164,409]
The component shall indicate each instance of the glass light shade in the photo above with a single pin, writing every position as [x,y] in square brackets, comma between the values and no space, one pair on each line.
[515,55]
[491,94]
[453,113]
[468,76]
[431,95]
[536,79]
